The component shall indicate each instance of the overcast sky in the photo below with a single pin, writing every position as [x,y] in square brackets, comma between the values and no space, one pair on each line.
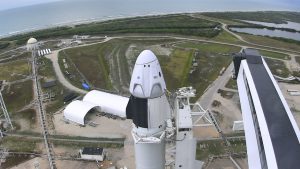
[8,4]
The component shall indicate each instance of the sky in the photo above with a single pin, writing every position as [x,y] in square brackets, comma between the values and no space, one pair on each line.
[9,4]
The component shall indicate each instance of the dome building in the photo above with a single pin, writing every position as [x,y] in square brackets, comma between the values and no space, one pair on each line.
[32,44]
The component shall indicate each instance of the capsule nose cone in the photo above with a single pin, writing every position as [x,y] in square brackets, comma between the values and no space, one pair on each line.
[147,56]
[147,80]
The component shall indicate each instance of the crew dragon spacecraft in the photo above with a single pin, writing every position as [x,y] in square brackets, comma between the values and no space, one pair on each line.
[154,121]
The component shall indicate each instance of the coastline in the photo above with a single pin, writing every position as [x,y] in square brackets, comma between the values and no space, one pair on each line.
[88,21]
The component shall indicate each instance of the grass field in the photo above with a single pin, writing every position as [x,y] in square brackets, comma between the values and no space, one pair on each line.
[224,36]
[278,67]
[210,47]
[29,115]
[16,70]
[176,68]
[274,55]
[92,62]
[18,95]
[47,72]
[217,147]
[263,16]
[20,144]
[261,40]
[211,59]
[231,84]
[105,65]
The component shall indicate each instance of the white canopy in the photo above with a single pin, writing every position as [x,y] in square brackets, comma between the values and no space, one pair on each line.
[109,103]
[77,110]
[106,102]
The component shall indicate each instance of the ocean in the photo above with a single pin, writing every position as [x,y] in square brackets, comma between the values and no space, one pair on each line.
[66,12]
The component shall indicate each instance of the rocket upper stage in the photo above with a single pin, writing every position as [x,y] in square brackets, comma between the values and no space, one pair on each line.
[147,80]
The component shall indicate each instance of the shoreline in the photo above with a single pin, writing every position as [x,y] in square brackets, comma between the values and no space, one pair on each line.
[88,21]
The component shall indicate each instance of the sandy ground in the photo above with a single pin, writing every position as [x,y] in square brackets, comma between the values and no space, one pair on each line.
[30,164]
[64,164]
[229,110]
[106,128]
[293,101]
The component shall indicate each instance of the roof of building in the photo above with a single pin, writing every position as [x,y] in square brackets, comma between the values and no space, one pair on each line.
[281,129]
[31,41]
[92,151]
[77,110]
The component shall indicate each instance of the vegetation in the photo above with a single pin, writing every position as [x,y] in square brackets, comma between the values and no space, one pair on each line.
[79,145]
[29,115]
[267,41]
[231,84]
[94,56]
[18,95]
[278,67]
[176,68]
[211,58]
[217,147]
[14,144]
[15,70]
[224,36]
[4,45]
[210,47]
[172,24]
[274,55]
[263,16]
[47,72]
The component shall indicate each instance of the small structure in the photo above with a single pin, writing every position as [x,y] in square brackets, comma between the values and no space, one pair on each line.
[32,44]
[90,153]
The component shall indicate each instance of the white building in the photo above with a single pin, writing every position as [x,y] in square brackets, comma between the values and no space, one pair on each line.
[272,134]
[32,44]
[90,153]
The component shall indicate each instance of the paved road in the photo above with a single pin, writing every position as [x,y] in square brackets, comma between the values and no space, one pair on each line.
[207,98]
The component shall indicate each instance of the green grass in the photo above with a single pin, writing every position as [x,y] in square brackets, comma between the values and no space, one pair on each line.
[224,36]
[274,55]
[210,47]
[91,61]
[16,70]
[14,160]
[263,16]
[211,148]
[20,144]
[212,58]
[176,68]
[79,145]
[217,147]
[48,73]
[278,67]
[262,40]
[18,95]
[231,84]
